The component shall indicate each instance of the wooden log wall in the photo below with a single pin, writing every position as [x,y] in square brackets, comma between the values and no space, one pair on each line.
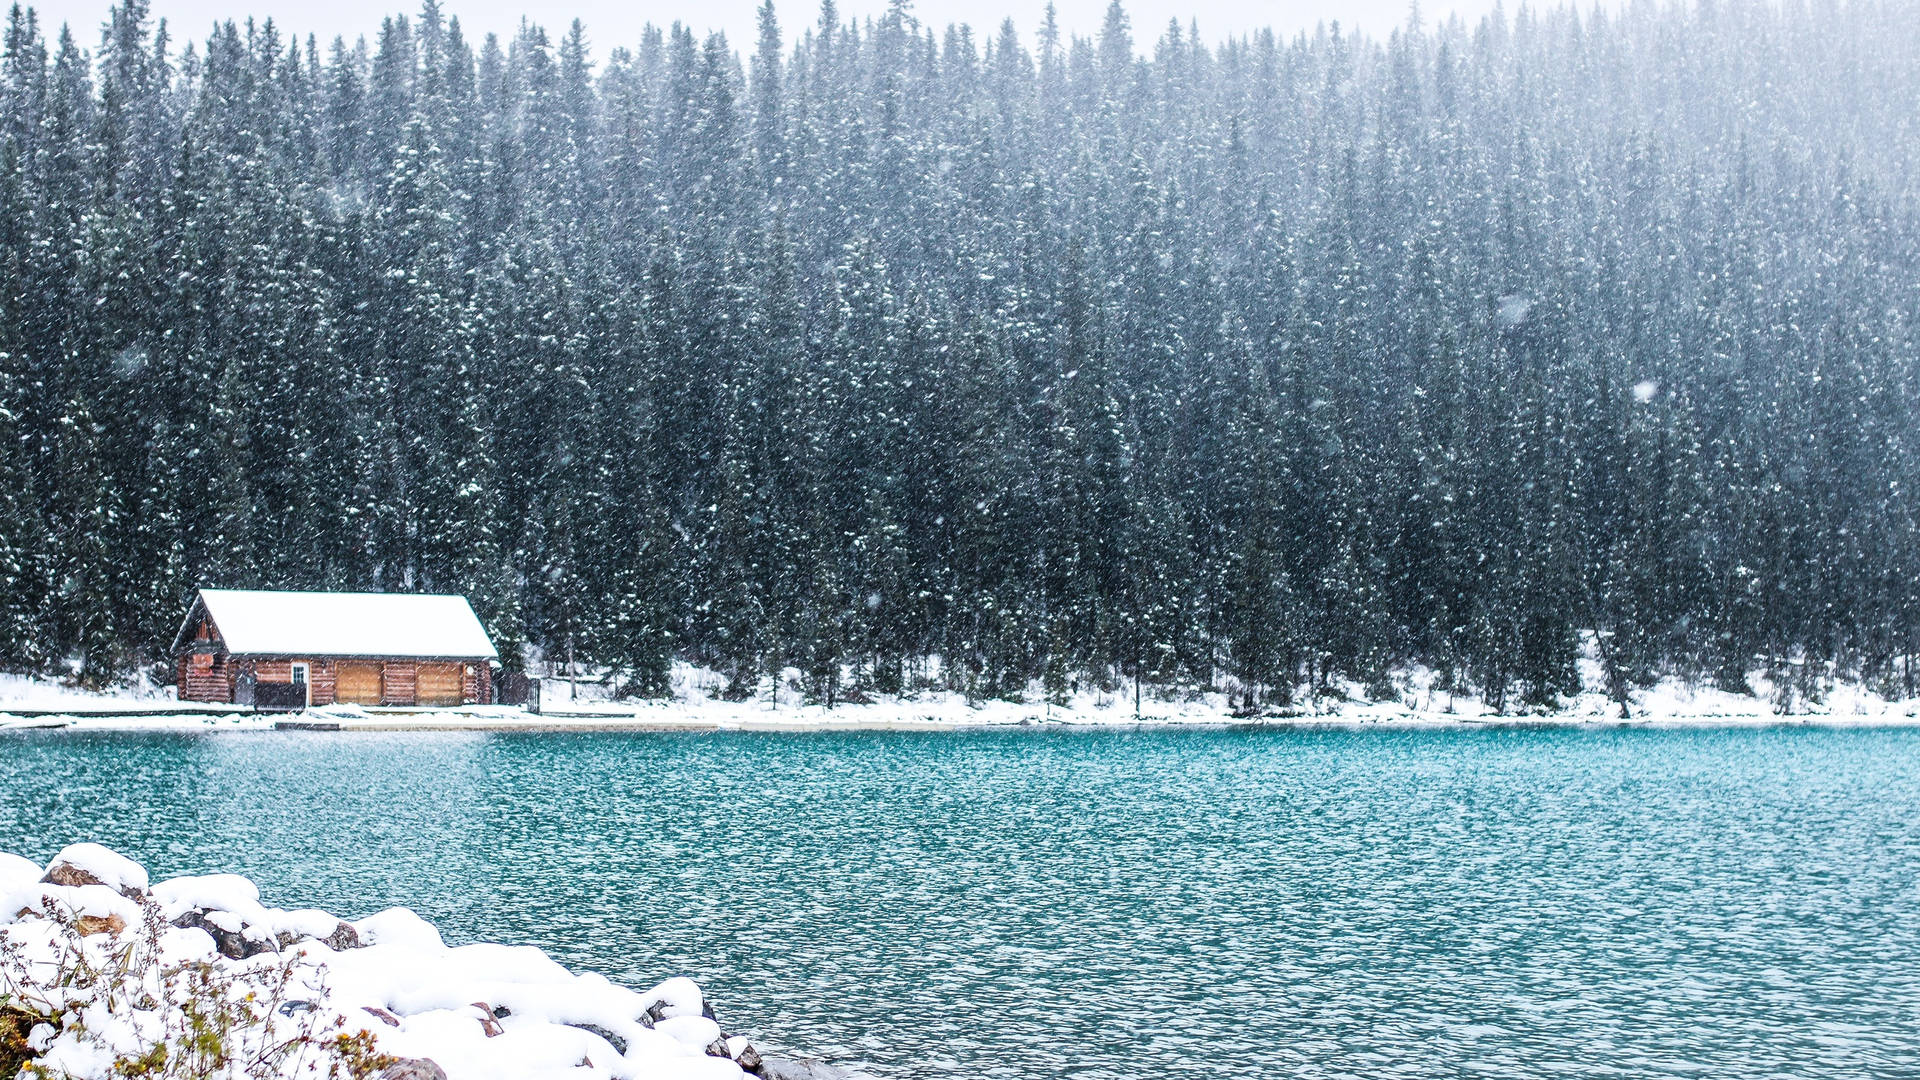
[323,680]
[477,684]
[213,682]
[400,680]
[321,676]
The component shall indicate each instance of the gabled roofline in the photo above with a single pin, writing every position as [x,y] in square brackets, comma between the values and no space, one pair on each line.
[199,605]
[471,658]
[202,608]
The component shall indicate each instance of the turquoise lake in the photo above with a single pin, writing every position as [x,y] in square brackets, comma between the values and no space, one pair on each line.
[1502,903]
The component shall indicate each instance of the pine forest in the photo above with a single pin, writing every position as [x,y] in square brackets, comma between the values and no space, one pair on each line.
[998,359]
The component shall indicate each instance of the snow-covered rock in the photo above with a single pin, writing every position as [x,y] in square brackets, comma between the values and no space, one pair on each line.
[90,908]
[212,892]
[413,1069]
[399,926]
[679,996]
[91,864]
[228,908]
[471,1012]
[17,873]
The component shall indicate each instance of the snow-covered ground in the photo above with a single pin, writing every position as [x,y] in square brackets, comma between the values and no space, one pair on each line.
[40,694]
[99,967]
[696,706]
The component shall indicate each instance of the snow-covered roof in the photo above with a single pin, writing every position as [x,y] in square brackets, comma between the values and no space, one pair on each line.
[253,623]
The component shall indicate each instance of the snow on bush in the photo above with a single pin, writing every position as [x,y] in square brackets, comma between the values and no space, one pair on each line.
[104,978]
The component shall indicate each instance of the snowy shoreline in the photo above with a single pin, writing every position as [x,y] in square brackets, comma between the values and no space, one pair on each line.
[35,705]
[99,967]
[696,704]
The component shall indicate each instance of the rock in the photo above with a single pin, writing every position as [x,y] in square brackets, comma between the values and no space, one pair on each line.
[243,940]
[678,996]
[69,875]
[619,1044]
[231,944]
[746,1056]
[344,937]
[91,864]
[718,1048]
[487,1022]
[197,920]
[88,925]
[207,892]
[413,1069]
[692,1032]
[398,926]
[382,1015]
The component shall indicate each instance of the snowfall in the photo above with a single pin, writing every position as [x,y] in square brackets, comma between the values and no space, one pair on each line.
[697,703]
[472,1012]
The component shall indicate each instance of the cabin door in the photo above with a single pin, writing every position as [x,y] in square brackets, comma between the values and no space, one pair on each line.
[303,678]
[358,682]
[437,684]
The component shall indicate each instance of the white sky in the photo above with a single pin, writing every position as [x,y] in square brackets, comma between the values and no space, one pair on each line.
[618,22]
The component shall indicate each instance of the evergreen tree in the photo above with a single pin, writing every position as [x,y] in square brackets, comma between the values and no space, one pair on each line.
[1264,366]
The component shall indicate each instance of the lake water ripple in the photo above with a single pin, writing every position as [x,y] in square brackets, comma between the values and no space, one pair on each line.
[1110,905]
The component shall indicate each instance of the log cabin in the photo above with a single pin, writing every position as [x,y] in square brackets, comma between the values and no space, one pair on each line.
[398,649]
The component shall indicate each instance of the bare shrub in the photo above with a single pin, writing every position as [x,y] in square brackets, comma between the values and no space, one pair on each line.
[114,995]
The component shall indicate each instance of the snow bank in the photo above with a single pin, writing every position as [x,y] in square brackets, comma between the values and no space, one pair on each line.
[1416,697]
[17,873]
[1412,697]
[40,692]
[386,992]
[45,694]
